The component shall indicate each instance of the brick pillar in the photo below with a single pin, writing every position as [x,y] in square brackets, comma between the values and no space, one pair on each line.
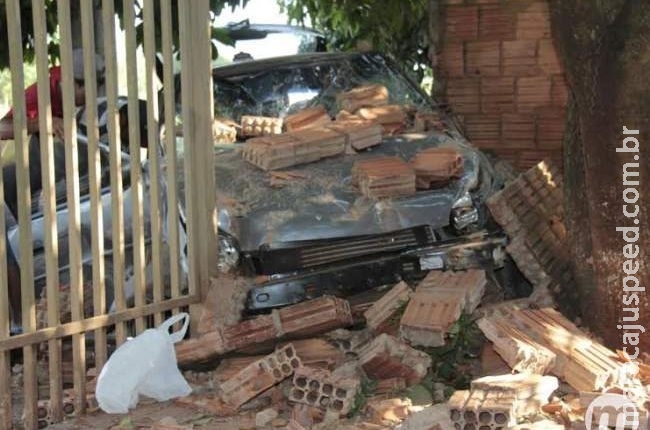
[503,77]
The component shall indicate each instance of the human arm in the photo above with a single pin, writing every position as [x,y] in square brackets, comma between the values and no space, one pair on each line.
[7,127]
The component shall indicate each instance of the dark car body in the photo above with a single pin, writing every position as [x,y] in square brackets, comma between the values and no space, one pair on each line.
[312,225]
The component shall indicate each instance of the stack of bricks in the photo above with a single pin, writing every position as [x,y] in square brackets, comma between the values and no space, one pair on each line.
[530,210]
[322,389]
[438,302]
[436,166]
[504,77]
[384,177]
[290,149]
[579,360]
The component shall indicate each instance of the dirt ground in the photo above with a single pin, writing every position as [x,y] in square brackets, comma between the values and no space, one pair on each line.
[154,415]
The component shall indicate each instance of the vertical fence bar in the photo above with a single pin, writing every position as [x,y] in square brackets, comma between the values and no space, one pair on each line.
[74,217]
[198,113]
[136,172]
[6,418]
[117,196]
[30,382]
[170,148]
[94,170]
[154,158]
[49,212]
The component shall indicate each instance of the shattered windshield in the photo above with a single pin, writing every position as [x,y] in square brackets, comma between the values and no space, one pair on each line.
[287,88]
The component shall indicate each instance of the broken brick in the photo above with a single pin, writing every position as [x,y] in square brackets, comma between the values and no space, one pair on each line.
[300,320]
[379,316]
[359,134]
[320,388]
[520,351]
[435,166]
[307,118]
[387,357]
[438,302]
[388,411]
[388,114]
[363,96]
[260,375]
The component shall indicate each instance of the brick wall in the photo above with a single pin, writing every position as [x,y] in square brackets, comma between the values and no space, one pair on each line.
[503,78]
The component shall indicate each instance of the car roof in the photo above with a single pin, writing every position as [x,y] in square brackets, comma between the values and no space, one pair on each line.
[252,66]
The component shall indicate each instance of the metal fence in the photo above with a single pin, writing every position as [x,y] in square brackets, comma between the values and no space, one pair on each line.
[119,266]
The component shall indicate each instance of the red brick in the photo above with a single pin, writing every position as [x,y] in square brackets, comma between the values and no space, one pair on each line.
[534,22]
[559,91]
[388,357]
[483,130]
[518,131]
[520,58]
[550,130]
[461,23]
[482,58]
[497,95]
[451,60]
[496,23]
[548,59]
[463,95]
[533,93]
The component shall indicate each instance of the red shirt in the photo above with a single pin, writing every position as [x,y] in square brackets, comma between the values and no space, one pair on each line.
[31,97]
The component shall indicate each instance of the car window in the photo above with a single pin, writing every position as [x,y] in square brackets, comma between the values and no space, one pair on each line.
[278,91]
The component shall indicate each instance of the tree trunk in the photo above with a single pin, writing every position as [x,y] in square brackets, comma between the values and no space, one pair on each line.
[605,52]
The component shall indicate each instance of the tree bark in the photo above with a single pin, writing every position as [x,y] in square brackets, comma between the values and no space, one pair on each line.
[604,50]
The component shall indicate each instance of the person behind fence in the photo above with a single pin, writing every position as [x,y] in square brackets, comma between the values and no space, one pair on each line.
[56,97]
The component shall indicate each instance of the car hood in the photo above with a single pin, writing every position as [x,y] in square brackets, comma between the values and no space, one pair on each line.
[322,203]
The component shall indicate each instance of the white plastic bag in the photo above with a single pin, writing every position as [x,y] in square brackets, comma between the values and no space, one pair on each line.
[143,365]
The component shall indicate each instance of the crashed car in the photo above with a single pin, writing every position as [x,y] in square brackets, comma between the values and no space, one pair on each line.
[316,232]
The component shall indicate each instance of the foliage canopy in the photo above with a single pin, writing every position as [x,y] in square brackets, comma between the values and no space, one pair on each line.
[27,24]
[398,28]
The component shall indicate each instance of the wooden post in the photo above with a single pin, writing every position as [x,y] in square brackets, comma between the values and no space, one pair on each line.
[94,174]
[197,107]
[49,212]
[170,149]
[136,168]
[30,385]
[117,195]
[153,137]
[74,216]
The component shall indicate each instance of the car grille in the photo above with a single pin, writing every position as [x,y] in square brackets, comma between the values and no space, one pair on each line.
[293,256]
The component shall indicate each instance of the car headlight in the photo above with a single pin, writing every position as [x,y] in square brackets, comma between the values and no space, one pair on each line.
[228,253]
[463,213]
